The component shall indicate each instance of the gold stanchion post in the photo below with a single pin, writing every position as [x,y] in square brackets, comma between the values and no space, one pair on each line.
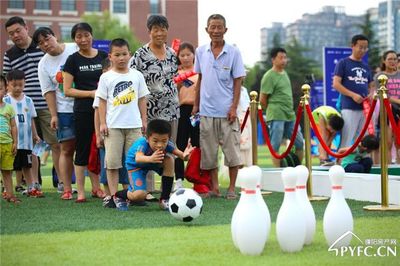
[253,119]
[307,138]
[254,107]
[382,93]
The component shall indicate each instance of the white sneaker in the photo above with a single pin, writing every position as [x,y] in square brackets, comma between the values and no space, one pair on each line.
[60,187]
[164,204]
[178,184]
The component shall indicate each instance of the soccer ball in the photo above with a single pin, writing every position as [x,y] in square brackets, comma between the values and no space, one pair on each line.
[185,205]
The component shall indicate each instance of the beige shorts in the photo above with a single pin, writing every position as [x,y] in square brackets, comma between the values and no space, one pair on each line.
[119,140]
[215,132]
[42,123]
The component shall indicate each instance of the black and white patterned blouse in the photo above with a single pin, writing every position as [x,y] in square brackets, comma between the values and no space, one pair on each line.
[163,101]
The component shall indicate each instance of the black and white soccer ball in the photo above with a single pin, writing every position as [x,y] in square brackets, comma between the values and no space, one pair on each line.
[185,204]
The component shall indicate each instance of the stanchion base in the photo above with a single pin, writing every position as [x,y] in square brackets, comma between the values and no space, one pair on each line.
[382,208]
[263,192]
[314,198]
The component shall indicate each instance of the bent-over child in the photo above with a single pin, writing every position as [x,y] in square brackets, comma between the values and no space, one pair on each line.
[359,160]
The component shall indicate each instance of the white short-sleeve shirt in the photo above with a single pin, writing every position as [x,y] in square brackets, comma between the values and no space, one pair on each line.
[122,92]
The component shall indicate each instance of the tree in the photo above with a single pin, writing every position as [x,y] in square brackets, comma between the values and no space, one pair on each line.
[299,66]
[106,27]
[255,74]
[374,57]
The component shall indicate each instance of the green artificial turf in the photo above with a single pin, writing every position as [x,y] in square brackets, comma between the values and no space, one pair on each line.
[49,231]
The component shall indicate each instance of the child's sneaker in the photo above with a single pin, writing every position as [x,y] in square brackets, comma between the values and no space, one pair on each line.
[38,188]
[120,204]
[108,202]
[34,193]
[178,184]
[164,204]
[19,188]
[60,187]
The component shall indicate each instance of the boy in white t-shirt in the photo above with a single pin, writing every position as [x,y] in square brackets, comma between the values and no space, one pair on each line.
[25,113]
[122,108]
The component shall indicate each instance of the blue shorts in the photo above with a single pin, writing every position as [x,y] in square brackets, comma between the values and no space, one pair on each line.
[66,127]
[138,176]
[123,173]
[279,129]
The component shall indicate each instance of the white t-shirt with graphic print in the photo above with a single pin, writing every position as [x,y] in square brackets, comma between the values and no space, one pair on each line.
[51,77]
[122,92]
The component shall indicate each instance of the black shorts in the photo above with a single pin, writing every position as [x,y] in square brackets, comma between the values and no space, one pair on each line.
[84,128]
[23,159]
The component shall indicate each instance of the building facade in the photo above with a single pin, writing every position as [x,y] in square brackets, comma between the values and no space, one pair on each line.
[268,35]
[332,27]
[61,15]
[388,21]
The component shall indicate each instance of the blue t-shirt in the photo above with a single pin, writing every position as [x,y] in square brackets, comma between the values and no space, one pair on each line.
[356,76]
[217,78]
[142,145]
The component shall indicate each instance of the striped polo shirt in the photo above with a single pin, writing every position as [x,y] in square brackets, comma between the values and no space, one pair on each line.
[27,60]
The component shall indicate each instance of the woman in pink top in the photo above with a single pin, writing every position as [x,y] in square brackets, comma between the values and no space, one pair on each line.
[389,68]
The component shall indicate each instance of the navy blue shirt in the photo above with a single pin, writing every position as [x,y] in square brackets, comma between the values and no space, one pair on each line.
[356,75]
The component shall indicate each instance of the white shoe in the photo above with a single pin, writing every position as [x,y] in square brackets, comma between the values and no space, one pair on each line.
[178,184]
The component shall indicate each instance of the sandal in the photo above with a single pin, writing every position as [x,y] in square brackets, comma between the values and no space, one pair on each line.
[212,194]
[98,194]
[67,195]
[231,195]
[80,200]
[13,199]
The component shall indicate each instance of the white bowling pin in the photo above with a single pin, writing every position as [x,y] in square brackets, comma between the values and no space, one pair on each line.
[290,222]
[337,217]
[263,205]
[242,174]
[251,230]
[302,199]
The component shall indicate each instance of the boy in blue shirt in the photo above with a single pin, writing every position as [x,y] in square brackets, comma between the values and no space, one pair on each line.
[153,152]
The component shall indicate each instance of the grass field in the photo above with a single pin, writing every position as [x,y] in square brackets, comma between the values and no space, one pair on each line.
[49,231]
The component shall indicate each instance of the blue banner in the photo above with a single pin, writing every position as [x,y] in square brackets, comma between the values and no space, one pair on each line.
[102,45]
[331,57]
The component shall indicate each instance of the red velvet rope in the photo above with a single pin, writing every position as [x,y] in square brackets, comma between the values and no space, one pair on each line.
[395,128]
[293,137]
[354,146]
[245,120]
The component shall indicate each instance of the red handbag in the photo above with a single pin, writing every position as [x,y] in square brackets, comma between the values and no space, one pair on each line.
[193,173]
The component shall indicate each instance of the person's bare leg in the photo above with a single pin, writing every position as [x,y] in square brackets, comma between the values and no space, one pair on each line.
[80,181]
[55,154]
[233,171]
[35,169]
[214,180]
[66,163]
[112,180]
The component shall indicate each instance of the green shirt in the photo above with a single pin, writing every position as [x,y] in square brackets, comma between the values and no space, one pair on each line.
[353,157]
[278,89]
[6,114]
[325,111]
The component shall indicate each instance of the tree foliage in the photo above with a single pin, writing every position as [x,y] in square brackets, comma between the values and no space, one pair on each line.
[107,27]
